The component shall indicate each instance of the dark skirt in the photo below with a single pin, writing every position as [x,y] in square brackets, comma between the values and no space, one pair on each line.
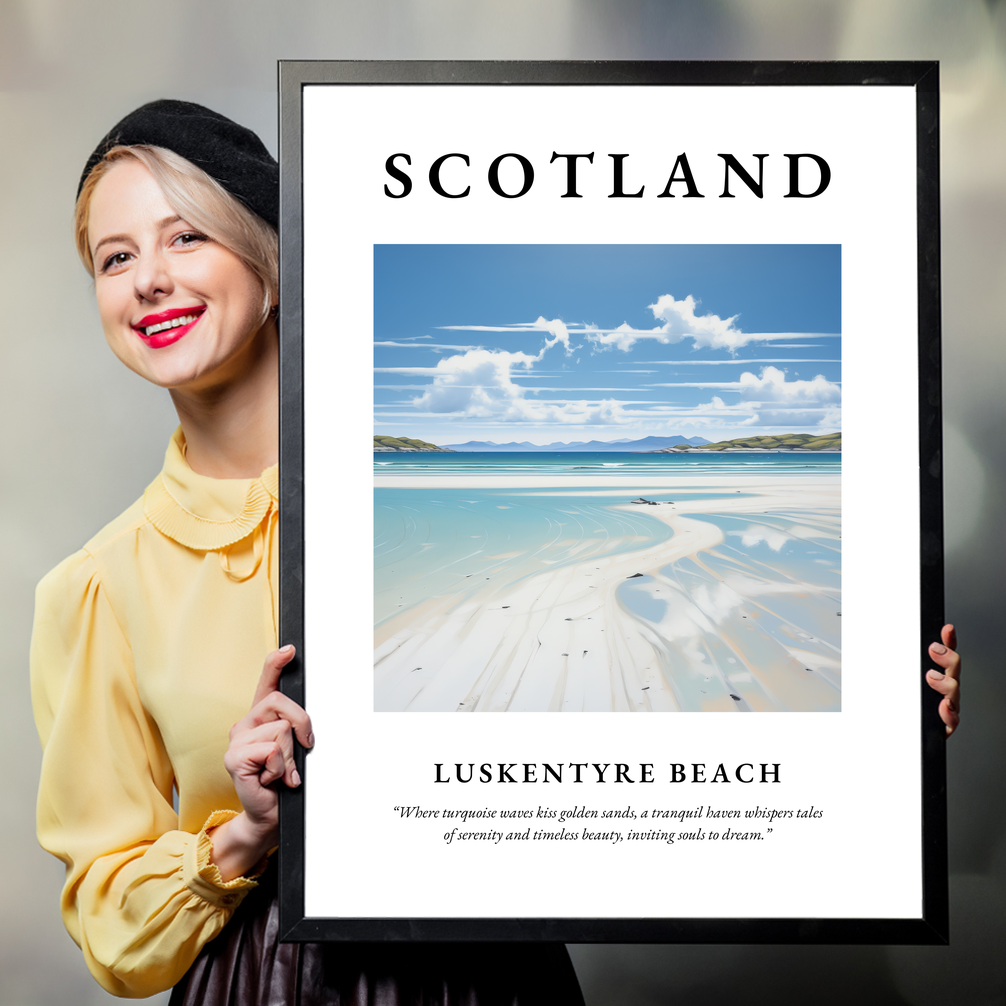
[246,965]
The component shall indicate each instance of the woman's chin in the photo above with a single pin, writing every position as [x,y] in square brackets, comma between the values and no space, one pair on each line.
[172,374]
[197,365]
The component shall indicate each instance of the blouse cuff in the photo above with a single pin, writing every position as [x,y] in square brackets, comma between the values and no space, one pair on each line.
[202,876]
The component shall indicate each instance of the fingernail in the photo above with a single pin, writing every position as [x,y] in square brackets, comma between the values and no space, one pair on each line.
[936,675]
[310,740]
[295,777]
[287,649]
[938,648]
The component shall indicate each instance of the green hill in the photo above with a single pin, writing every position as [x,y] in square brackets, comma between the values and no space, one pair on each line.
[782,442]
[384,444]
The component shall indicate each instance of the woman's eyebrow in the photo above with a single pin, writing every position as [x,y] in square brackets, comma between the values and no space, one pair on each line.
[160,225]
[109,240]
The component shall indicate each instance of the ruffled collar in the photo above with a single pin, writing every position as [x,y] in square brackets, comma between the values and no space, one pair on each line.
[203,513]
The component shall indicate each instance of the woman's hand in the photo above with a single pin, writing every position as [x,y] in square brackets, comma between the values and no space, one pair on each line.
[260,754]
[947,682]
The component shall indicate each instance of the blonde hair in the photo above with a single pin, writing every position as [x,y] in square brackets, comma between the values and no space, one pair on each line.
[199,200]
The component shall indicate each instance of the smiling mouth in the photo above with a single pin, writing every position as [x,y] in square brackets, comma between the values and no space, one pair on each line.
[186,319]
[167,324]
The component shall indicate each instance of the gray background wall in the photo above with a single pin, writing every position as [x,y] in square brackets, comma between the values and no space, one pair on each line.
[82,437]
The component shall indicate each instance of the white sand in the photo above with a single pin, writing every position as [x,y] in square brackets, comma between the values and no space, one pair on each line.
[562,641]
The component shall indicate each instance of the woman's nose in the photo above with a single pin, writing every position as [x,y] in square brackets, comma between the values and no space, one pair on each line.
[152,277]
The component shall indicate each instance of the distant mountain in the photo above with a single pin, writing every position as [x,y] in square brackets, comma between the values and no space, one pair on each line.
[654,443]
[783,442]
[406,444]
[578,446]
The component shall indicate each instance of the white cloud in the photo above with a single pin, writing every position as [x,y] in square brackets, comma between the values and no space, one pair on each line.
[557,330]
[624,337]
[475,383]
[424,345]
[479,384]
[679,321]
[412,371]
[772,400]
[772,386]
[707,330]
[779,402]
[711,363]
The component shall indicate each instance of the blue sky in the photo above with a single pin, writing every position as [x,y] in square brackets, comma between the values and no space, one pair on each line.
[550,343]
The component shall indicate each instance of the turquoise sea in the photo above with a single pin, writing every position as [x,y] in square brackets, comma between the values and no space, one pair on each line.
[604,464]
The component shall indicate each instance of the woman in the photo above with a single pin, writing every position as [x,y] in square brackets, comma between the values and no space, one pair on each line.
[149,642]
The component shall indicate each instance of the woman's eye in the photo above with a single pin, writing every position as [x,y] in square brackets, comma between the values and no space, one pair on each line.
[114,261]
[190,238]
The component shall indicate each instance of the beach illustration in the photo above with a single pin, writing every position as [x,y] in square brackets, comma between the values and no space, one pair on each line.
[607,478]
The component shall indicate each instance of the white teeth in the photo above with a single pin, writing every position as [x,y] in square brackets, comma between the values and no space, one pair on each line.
[173,323]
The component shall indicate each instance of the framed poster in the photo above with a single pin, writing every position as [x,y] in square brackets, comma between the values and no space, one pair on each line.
[651,353]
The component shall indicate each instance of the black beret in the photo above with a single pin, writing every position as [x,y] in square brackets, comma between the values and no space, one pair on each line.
[230,154]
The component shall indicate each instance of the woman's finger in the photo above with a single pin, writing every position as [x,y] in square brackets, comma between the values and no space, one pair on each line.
[277,706]
[944,684]
[949,711]
[949,687]
[273,768]
[945,655]
[278,732]
[261,760]
[949,660]
[272,668]
[949,636]
[947,681]
[950,716]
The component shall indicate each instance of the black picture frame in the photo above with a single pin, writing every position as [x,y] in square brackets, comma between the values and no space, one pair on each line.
[931,926]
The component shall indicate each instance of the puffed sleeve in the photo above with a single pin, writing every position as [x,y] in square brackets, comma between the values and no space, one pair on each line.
[141,898]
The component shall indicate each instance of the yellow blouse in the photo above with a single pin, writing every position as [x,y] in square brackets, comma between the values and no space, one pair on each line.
[147,647]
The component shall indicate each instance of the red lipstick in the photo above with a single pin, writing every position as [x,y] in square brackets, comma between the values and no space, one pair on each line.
[166,327]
